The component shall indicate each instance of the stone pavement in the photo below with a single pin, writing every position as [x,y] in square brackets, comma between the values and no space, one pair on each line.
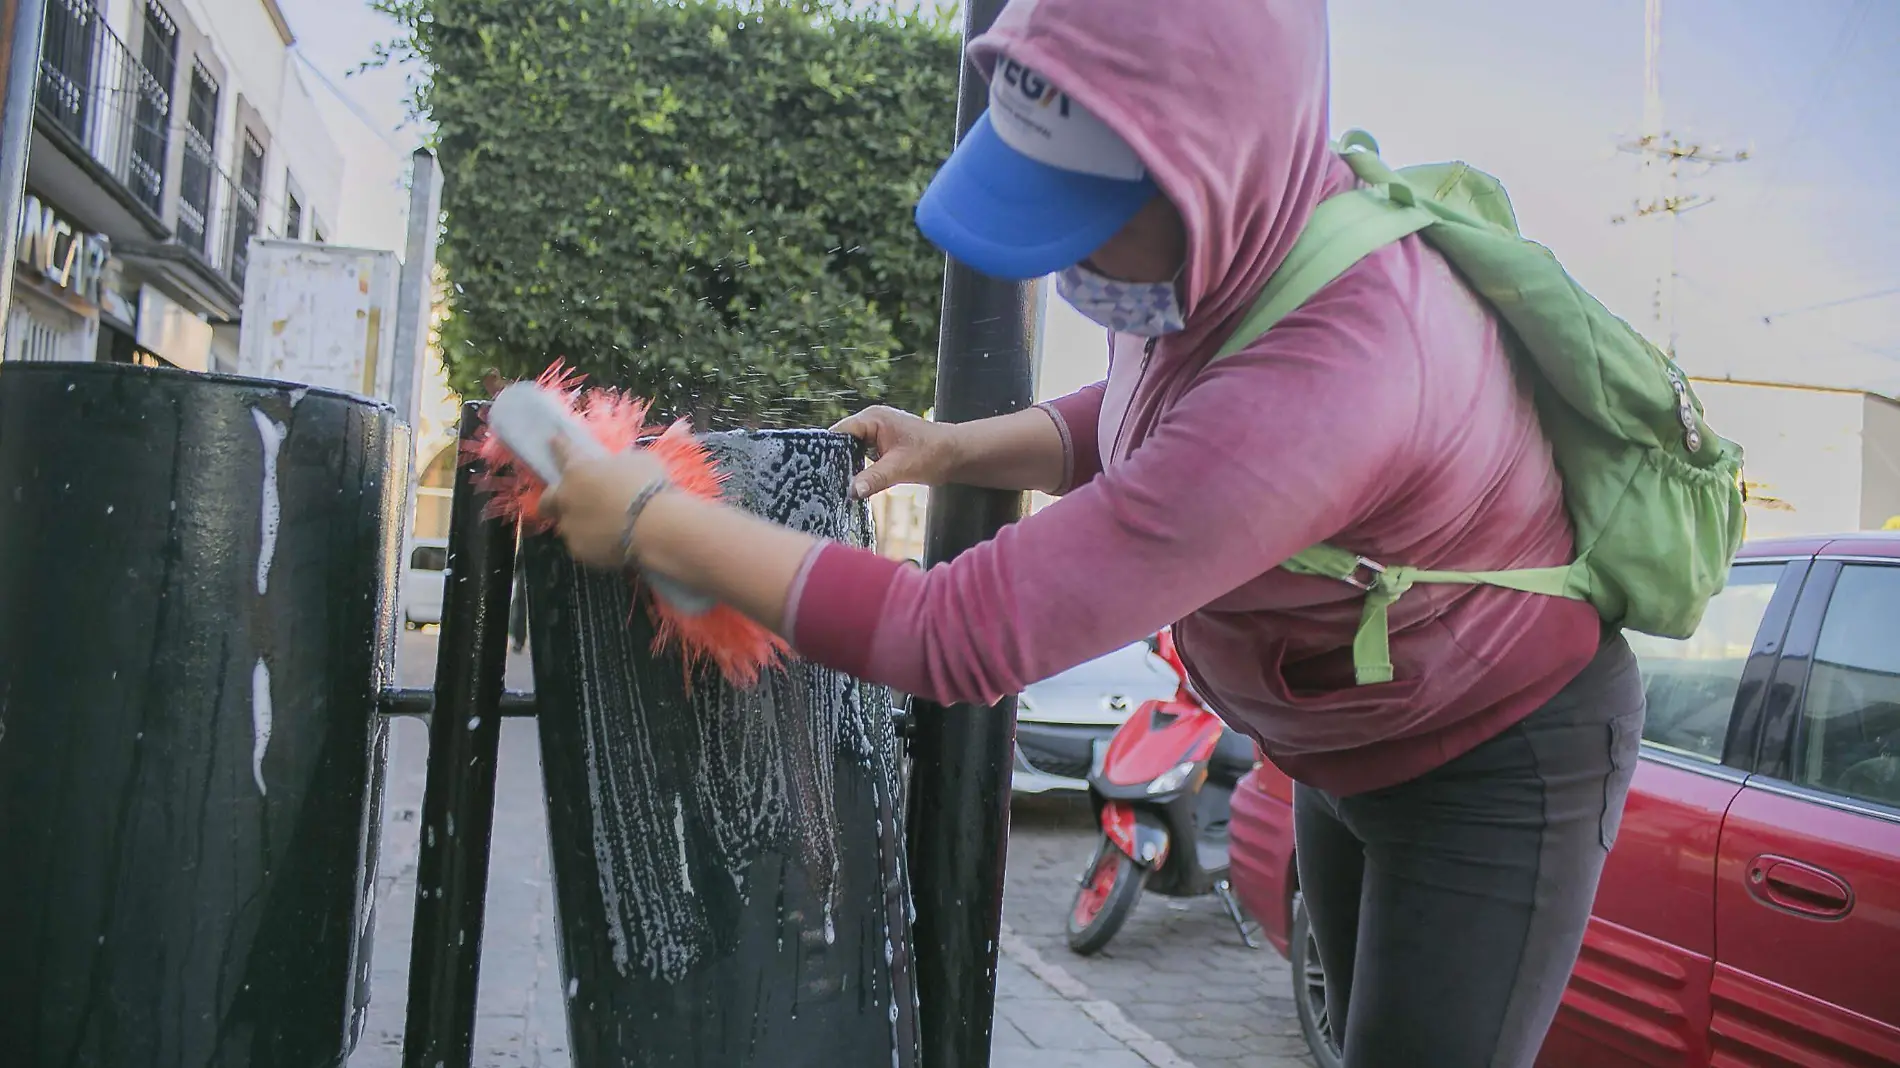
[1176,989]
[1178,970]
[1046,1017]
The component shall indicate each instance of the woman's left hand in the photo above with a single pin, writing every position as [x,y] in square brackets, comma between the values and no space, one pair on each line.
[589,505]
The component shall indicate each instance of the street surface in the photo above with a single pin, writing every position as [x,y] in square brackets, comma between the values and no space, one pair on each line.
[1178,970]
[1176,989]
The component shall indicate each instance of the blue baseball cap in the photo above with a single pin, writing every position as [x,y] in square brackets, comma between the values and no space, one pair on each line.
[1037,185]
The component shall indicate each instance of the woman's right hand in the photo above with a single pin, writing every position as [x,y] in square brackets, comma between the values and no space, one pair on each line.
[906,448]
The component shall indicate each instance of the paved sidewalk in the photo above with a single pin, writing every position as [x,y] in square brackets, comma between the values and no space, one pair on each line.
[1178,970]
[1175,990]
[1045,1017]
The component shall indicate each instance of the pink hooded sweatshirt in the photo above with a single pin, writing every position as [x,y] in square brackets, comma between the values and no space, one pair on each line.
[1383,417]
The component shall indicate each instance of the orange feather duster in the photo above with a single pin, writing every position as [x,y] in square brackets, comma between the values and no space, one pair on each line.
[740,648]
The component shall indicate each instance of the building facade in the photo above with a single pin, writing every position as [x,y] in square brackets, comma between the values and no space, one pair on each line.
[167,134]
[1817,460]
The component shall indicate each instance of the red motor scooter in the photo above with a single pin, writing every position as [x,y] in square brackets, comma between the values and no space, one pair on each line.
[1160,789]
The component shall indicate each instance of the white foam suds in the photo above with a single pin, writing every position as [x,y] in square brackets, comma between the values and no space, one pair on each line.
[604,856]
[260,722]
[754,779]
[271,433]
[679,836]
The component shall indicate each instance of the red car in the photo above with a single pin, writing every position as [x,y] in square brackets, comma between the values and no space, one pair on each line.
[1750,912]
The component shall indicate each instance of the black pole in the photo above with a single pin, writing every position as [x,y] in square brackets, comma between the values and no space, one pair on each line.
[21,24]
[959,804]
[458,802]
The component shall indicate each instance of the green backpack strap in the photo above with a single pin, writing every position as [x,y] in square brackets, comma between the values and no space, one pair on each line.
[1343,230]
[1371,643]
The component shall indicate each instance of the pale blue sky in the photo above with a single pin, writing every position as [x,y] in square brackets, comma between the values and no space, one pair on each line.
[1540,93]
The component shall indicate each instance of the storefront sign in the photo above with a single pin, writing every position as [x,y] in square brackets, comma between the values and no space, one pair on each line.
[169,329]
[63,255]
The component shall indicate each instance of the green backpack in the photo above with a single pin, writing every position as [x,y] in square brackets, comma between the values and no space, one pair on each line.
[1655,496]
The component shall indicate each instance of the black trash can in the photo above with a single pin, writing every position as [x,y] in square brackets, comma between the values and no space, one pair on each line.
[729,867]
[197,609]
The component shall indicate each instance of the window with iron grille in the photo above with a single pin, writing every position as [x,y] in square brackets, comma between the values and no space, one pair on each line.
[151,131]
[250,196]
[201,132]
[66,64]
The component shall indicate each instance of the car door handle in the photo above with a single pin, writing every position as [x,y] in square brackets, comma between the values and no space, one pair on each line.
[1799,888]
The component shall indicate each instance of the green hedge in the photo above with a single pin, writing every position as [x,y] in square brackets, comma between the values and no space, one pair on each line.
[707,201]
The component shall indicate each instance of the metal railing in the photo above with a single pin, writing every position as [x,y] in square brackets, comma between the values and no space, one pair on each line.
[216,217]
[96,90]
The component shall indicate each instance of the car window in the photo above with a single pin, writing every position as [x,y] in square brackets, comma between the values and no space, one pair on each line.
[429,558]
[1848,741]
[1691,684]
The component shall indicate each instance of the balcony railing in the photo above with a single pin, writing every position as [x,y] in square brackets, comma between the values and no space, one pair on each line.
[94,89]
[216,217]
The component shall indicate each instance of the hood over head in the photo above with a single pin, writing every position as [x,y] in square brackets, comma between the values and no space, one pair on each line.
[1224,102]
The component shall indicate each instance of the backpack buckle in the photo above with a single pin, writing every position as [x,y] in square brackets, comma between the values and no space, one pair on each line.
[1365,574]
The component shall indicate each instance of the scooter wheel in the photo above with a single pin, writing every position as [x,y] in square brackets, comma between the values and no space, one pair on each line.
[1102,903]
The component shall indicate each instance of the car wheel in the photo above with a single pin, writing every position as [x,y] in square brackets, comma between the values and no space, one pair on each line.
[1104,899]
[1309,990]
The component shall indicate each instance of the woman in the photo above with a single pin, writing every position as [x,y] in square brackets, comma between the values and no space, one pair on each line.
[1451,823]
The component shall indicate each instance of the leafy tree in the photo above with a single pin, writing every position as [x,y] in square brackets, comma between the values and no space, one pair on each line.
[708,201]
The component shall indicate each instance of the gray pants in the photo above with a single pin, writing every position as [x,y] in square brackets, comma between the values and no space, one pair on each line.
[1449,910]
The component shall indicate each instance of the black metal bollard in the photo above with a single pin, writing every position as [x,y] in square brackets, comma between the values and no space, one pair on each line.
[960,779]
[729,869]
[458,804]
[196,620]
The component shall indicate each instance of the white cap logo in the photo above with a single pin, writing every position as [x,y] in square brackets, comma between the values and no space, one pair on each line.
[1040,121]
